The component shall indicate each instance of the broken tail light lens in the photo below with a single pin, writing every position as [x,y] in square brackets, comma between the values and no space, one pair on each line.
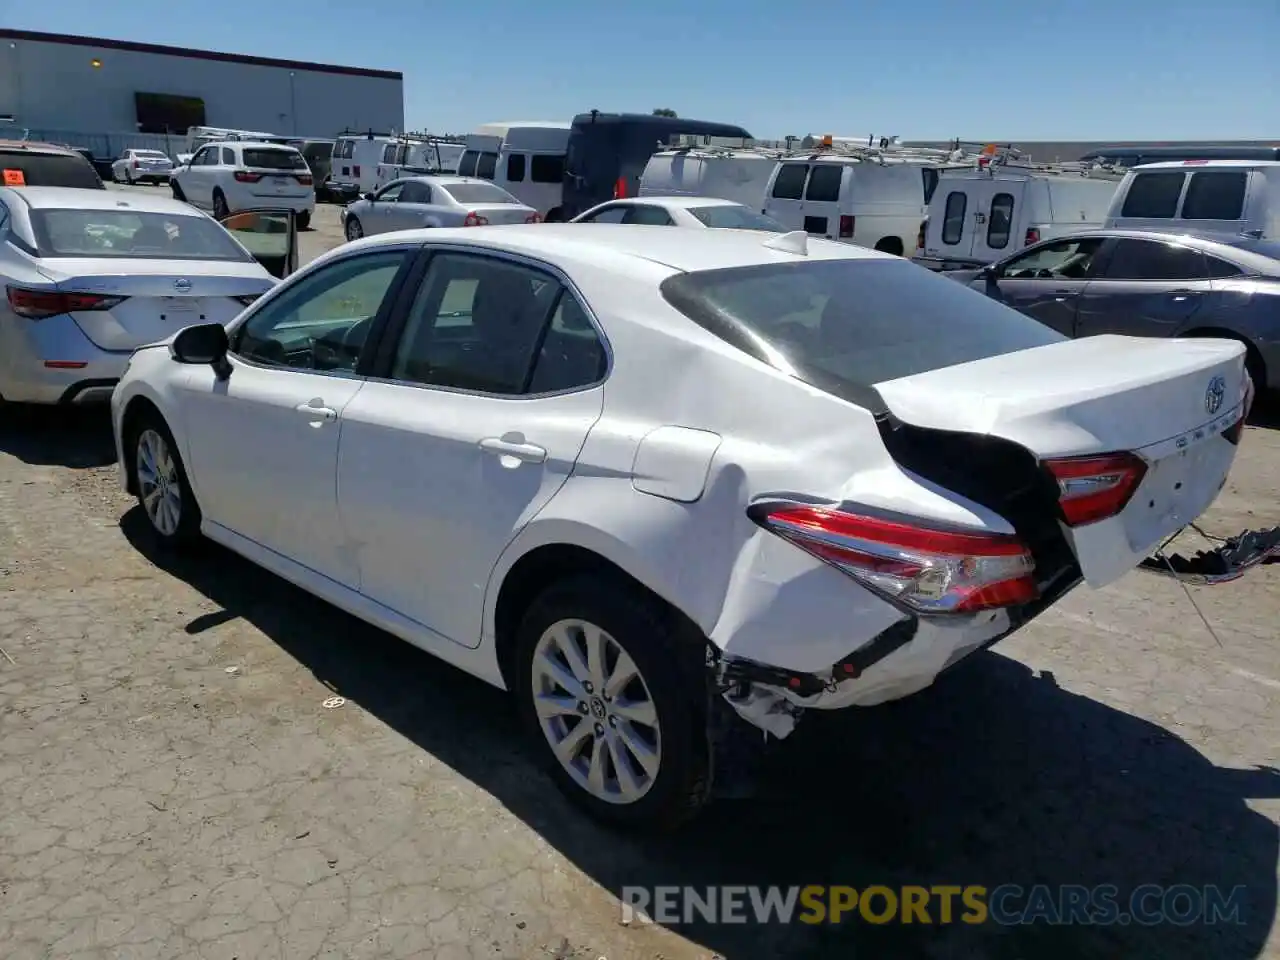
[1095,488]
[41,304]
[924,568]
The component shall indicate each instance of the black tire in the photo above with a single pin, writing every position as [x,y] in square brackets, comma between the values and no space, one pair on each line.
[672,668]
[220,208]
[304,220]
[353,228]
[186,531]
[177,191]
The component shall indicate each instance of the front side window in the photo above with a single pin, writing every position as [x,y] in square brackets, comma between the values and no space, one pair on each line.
[515,167]
[953,217]
[845,325]
[735,217]
[1000,222]
[609,214]
[229,157]
[1154,260]
[1063,260]
[789,182]
[1215,195]
[323,320]
[1153,196]
[389,194]
[131,235]
[546,168]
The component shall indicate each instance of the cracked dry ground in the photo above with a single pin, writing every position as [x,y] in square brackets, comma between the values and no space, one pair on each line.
[154,803]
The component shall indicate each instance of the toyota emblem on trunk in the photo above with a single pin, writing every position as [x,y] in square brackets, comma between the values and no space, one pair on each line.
[183,285]
[1214,395]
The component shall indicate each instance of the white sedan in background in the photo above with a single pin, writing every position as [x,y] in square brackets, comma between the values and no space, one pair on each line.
[91,274]
[680,212]
[433,201]
[141,166]
[854,474]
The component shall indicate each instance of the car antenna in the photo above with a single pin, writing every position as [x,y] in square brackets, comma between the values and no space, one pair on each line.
[797,242]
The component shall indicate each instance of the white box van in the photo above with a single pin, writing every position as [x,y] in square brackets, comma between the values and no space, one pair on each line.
[354,165]
[1233,197]
[878,203]
[978,216]
[729,174]
[525,158]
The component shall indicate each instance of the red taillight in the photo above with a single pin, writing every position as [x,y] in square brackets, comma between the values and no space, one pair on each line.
[921,567]
[303,178]
[846,227]
[620,188]
[39,304]
[474,219]
[534,217]
[1032,236]
[1095,488]
[244,176]
[135,163]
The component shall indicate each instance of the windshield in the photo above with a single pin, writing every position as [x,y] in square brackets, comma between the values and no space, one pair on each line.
[134,235]
[735,218]
[265,158]
[844,325]
[477,193]
[24,169]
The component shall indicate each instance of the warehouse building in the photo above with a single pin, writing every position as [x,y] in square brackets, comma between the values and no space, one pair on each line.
[108,94]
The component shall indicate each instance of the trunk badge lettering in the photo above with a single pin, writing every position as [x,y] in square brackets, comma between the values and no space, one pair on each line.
[1213,396]
[185,285]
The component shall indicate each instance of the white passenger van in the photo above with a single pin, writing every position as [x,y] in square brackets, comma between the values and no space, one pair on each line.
[1233,197]
[354,165]
[526,158]
[874,196]
[418,156]
[985,212]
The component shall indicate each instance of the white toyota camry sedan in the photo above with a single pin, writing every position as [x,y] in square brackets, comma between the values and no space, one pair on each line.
[640,477]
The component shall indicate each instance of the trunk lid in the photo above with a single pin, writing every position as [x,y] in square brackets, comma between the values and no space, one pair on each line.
[503,212]
[1168,401]
[161,296]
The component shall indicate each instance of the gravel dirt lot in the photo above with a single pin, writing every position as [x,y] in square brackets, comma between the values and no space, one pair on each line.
[172,785]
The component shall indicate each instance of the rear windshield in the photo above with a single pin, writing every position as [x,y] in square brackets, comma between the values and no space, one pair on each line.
[264,158]
[844,325]
[48,170]
[150,154]
[121,233]
[477,193]
[735,218]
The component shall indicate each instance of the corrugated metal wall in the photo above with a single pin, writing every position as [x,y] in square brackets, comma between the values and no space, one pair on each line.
[56,92]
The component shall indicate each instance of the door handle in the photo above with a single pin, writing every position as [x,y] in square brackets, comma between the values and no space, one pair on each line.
[1180,295]
[319,413]
[528,452]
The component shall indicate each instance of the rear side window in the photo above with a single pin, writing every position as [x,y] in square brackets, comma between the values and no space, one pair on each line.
[266,159]
[1215,195]
[389,153]
[1153,196]
[1218,269]
[1154,260]
[1000,222]
[789,183]
[953,217]
[467,164]
[546,168]
[515,167]
[824,183]
[844,325]
[48,170]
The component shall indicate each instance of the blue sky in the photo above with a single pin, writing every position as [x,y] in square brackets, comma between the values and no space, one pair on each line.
[990,69]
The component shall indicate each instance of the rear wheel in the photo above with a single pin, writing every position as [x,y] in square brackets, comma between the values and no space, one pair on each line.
[354,230]
[220,208]
[614,703]
[160,480]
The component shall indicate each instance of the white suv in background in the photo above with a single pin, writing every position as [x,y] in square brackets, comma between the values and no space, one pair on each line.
[243,175]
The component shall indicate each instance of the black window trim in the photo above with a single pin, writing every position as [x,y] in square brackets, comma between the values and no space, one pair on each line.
[964,212]
[991,220]
[383,356]
[374,341]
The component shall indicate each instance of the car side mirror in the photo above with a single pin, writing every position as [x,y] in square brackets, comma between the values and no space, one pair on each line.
[990,272]
[201,344]
[369,196]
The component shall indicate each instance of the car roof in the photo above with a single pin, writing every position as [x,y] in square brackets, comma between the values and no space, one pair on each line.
[257,144]
[79,198]
[686,202]
[1209,164]
[446,179]
[611,245]
[1243,250]
[36,146]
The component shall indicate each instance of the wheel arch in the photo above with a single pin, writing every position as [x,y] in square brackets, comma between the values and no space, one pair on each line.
[1253,359]
[893,245]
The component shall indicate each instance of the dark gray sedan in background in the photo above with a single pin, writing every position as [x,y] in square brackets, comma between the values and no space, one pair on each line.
[1147,284]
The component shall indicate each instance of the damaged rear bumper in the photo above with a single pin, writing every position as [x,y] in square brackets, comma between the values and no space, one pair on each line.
[1228,561]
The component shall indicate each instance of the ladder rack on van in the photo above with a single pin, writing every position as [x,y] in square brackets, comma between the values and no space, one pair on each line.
[807,147]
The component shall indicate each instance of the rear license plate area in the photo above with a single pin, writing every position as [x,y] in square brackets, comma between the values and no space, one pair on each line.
[181,308]
[1180,487]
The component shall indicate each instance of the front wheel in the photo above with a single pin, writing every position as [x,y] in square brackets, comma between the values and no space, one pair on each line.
[615,703]
[354,230]
[160,480]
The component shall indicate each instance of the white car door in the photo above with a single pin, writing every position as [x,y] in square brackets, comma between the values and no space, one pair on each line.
[196,181]
[462,437]
[379,214]
[263,442]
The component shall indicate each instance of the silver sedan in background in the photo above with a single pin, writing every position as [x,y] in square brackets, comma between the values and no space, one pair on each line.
[441,201]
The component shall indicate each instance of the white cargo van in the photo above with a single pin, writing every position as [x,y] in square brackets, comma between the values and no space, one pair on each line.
[418,156]
[480,155]
[740,174]
[531,165]
[354,165]
[1233,197]
[980,214]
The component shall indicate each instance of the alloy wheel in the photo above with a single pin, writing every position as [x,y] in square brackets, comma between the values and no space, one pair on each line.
[354,230]
[596,712]
[159,487]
